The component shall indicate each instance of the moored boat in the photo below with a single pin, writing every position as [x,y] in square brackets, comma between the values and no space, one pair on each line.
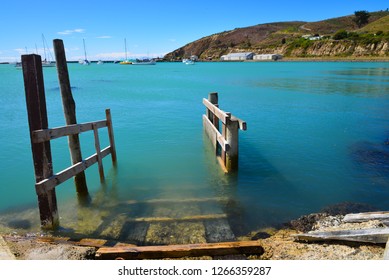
[145,61]
[85,61]
[126,61]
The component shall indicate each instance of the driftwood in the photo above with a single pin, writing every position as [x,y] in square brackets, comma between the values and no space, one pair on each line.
[364,217]
[178,251]
[374,235]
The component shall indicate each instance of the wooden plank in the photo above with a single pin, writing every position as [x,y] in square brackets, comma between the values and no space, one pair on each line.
[375,235]
[222,159]
[367,216]
[111,136]
[242,123]
[182,219]
[121,244]
[214,134]
[69,172]
[183,200]
[211,132]
[43,135]
[90,242]
[179,251]
[51,239]
[98,153]
[69,108]
[386,252]
[220,114]
[214,99]
[41,152]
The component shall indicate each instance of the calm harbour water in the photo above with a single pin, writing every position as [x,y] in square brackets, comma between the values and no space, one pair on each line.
[316,137]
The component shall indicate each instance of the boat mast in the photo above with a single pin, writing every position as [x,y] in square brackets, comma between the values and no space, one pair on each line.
[125,47]
[83,40]
[44,46]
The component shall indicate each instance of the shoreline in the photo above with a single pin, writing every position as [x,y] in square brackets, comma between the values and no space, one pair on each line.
[277,244]
[336,59]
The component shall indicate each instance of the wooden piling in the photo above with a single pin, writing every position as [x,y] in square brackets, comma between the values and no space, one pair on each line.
[98,152]
[214,99]
[37,119]
[231,155]
[226,143]
[111,137]
[69,107]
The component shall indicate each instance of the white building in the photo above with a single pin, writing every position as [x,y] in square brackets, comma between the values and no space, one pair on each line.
[194,57]
[237,56]
[272,56]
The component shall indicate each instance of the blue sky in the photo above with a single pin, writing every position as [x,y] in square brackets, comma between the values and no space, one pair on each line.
[151,28]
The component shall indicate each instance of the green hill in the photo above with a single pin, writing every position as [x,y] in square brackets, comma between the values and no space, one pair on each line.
[381,24]
[286,38]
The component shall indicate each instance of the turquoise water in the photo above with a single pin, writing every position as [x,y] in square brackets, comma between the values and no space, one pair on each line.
[316,136]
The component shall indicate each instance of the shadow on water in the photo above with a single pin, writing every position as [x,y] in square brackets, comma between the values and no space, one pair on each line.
[373,158]
[57,89]
[250,192]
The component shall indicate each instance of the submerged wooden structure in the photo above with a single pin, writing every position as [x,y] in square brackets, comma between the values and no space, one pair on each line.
[226,142]
[41,135]
[215,236]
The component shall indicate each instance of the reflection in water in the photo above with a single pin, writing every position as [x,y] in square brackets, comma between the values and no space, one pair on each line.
[373,160]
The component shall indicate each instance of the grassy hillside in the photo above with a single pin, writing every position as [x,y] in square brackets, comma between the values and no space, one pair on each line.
[381,24]
[285,38]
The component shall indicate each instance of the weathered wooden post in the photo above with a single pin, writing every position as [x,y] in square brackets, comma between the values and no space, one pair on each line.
[111,137]
[69,107]
[214,99]
[37,119]
[226,141]
[232,137]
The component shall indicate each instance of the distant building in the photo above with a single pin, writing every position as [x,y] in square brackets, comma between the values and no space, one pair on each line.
[194,57]
[237,56]
[272,56]
[312,37]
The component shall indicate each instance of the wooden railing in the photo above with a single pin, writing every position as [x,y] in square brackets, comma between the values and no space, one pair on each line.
[44,135]
[41,135]
[226,142]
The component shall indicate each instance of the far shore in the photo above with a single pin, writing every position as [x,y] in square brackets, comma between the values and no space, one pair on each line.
[284,59]
[337,59]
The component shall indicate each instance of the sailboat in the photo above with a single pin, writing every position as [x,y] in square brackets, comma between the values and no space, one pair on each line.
[126,61]
[85,61]
[47,62]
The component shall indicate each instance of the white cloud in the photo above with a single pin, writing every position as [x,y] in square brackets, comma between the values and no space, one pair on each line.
[69,32]
[20,50]
[114,56]
[104,37]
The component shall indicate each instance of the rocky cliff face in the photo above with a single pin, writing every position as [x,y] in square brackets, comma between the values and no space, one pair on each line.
[341,48]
